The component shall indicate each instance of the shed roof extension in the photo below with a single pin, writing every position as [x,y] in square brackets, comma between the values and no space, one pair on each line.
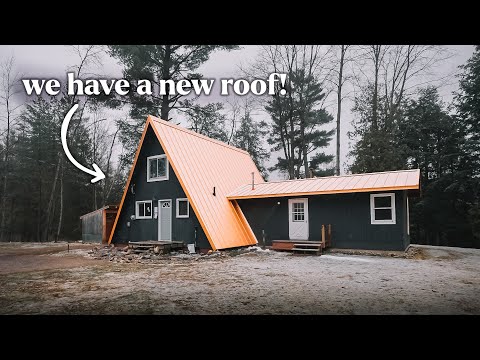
[382,181]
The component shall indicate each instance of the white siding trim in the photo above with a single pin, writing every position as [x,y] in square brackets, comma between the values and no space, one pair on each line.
[392,207]
[408,217]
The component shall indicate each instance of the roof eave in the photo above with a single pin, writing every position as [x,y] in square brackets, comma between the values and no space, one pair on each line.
[396,188]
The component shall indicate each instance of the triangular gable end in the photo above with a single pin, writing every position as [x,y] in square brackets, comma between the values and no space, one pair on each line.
[222,221]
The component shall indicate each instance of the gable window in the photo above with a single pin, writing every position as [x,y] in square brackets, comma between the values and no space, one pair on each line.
[382,208]
[182,208]
[143,209]
[157,168]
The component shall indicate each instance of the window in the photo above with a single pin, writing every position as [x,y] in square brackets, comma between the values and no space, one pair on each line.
[157,168]
[182,208]
[382,208]
[143,209]
[298,211]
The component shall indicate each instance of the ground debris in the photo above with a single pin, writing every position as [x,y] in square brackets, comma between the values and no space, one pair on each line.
[154,254]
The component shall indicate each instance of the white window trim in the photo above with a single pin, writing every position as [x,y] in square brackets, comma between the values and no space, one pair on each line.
[163,178]
[177,208]
[372,209]
[408,218]
[137,216]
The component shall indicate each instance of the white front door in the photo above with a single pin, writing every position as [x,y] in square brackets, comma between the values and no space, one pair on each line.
[165,220]
[298,219]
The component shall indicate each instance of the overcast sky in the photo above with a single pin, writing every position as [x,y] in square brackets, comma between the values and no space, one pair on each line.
[41,61]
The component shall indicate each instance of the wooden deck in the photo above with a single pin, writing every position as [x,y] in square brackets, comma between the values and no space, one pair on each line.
[288,245]
[306,246]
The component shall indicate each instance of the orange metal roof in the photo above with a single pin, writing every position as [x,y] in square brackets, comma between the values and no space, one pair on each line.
[201,164]
[381,181]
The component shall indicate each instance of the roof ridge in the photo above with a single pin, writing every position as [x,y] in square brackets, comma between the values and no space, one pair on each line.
[335,176]
[191,132]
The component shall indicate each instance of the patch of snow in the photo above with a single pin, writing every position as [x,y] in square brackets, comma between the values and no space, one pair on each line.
[349,258]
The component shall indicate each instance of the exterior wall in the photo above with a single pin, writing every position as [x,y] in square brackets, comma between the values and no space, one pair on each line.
[92,226]
[349,215]
[183,229]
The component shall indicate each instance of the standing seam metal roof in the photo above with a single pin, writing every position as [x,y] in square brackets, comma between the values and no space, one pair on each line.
[382,181]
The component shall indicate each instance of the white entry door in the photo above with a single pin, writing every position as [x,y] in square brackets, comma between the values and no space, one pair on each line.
[298,219]
[165,220]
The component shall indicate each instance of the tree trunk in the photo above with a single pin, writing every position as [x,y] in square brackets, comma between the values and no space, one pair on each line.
[60,216]
[5,176]
[165,107]
[52,196]
[291,164]
[376,60]
[339,107]
[304,149]
[39,212]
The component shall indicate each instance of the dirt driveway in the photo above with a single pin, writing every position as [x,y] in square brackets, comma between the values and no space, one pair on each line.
[45,279]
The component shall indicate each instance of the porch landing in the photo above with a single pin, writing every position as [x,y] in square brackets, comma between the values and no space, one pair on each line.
[288,245]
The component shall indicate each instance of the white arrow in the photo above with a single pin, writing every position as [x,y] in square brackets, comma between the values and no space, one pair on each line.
[99,175]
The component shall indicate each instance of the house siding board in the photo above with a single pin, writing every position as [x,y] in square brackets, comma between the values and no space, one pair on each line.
[349,215]
[183,229]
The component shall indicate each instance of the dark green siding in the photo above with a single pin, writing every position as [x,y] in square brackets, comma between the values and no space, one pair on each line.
[349,215]
[147,229]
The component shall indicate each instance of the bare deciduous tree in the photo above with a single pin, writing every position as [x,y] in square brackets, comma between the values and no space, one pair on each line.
[8,90]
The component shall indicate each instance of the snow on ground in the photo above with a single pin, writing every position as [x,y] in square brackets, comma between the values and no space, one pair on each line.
[440,281]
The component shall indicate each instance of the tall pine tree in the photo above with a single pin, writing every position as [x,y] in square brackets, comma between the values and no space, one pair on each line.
[249,137]
[432,141]
[467,103]
[297,127]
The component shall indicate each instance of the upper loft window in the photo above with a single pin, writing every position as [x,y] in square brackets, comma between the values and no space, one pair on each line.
[157,168]
[382,208]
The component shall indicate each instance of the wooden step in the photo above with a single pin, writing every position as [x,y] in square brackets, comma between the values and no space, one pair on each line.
[307,250]
[312,250]
[308,245]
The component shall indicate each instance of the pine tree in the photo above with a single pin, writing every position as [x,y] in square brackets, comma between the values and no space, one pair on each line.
[467,103]
[249,137]
[297,121]
[376,146]
[154,63]
[432,141]
[207,120]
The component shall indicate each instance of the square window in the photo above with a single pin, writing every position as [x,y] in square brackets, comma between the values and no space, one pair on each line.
[183,208]
[382,209]
[143,209]
[157,168]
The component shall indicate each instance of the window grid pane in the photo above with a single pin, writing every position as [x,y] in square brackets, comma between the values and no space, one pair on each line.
[161,168]
[383,202]
[153,168]
[141,209]
[298,212]
[182,208]
[148,209]
[383,214]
